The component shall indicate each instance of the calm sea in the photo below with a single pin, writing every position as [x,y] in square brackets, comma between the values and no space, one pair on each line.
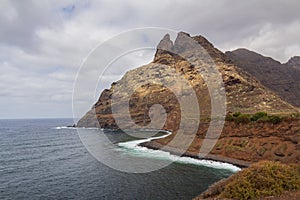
[40,161]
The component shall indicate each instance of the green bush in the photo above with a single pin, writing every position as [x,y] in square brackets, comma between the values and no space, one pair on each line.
[258,115]
[275,119]
[264,119]
[262,179]
[242,118]
[236,114]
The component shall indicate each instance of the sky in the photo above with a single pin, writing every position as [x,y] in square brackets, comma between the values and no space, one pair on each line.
[44,43]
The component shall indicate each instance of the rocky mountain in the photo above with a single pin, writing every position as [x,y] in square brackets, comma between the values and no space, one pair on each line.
[244,93]
[180,70]
[283,79]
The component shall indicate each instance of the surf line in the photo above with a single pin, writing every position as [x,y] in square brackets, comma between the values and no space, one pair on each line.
[134,148]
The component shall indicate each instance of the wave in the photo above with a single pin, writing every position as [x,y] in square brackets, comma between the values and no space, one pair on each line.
[70,127]
[134,148]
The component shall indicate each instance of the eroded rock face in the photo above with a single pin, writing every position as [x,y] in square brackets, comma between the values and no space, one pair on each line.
[243,92]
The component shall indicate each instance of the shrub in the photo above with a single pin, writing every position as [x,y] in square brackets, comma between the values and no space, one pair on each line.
[262,179]
[263,119]
[242,118]
[258,115]
[275,119]
[236,114]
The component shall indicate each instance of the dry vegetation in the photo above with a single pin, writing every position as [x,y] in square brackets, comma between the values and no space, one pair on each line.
[262,179]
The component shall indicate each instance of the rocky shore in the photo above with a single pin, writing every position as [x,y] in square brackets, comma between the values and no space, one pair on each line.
[218,158]
[245,143]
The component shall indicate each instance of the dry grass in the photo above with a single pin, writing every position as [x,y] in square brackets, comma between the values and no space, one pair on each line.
[266,178]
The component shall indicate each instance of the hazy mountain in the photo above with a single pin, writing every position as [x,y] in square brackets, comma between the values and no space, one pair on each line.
[283,79]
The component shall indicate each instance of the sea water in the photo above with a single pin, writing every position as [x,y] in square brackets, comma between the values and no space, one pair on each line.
[43,159]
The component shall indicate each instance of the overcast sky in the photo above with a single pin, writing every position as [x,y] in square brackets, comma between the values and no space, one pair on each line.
[43,43]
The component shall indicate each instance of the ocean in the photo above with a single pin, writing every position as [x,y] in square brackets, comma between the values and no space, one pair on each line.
[42,159]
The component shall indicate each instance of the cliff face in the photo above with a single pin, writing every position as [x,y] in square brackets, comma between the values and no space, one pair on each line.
[283,79]
[243,92]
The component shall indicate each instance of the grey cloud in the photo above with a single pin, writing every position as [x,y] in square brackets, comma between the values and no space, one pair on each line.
[42,46]
[228,23]
[20,19]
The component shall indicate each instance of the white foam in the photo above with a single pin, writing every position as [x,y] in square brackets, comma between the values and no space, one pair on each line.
[70,127]
[134,148]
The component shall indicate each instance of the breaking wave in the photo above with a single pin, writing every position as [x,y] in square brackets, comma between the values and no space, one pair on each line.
[71,127]
[134,148]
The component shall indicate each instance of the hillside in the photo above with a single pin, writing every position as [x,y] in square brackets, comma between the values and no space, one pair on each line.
[262,180]
[283,79]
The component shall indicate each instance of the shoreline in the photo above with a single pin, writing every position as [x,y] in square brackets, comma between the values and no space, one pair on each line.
[151,144]
[176,156]
[156,146]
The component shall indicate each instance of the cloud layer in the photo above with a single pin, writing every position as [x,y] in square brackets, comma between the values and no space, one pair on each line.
[43,43]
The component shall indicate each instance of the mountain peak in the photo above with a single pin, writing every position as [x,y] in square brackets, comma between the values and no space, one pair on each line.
[215,53]
[182,33]
[165,43]
[181,44]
